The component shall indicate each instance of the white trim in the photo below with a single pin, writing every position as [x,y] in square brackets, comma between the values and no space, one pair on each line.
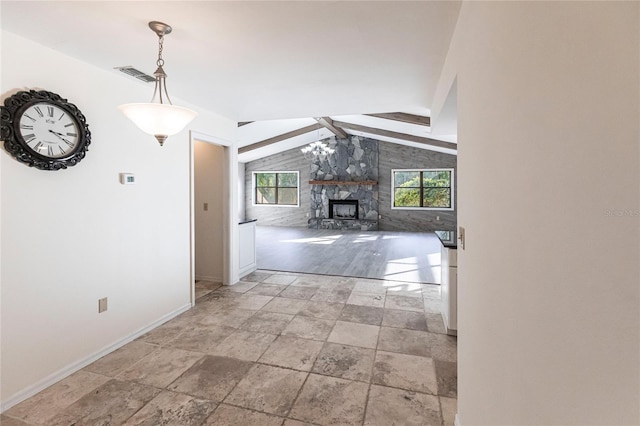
[192,219]
[207,278]
[253,188]
[453,192]
[456,422]
[78,365]
[231,246]
[247,270]
[231,253]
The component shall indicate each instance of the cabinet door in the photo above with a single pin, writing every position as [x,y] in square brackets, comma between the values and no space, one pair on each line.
[247,234]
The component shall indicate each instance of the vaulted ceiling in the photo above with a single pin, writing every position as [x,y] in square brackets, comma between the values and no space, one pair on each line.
[276,64]
[261,138]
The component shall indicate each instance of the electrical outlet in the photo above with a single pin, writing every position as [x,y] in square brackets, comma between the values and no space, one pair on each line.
[102,305]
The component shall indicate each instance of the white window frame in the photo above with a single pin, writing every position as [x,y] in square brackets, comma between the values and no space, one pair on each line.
[393,188]
[253,188]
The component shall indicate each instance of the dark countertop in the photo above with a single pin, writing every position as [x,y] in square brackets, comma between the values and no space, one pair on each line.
[247,221]
[448,239]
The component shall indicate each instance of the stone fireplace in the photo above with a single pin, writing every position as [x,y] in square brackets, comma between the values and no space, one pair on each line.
[344,186]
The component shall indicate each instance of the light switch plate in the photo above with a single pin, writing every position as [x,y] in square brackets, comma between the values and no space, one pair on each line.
[461,237]
[102,305]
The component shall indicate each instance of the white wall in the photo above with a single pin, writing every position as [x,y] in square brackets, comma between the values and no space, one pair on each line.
[548,110]
[73,236]
[209,224]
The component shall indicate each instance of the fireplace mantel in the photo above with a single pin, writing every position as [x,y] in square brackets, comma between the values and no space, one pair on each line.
[340,182]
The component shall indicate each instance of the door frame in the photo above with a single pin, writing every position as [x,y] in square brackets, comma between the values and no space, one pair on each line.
[231,261]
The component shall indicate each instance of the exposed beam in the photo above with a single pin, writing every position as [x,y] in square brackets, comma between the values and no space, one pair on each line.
[404,117]
[280,138]
[244,123]
[396,135]
[328,123]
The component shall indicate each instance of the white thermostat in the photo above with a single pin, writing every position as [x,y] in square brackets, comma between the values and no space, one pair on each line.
[127,178]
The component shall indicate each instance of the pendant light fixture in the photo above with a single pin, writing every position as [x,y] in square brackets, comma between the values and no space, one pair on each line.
[317,150]
[159,117]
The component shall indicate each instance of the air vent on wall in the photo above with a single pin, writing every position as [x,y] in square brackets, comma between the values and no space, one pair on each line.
[137,74]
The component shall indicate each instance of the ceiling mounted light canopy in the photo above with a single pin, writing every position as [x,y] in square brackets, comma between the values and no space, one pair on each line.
[159,117]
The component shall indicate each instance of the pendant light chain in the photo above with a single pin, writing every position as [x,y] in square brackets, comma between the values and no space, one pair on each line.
[160,61]
[161,77]
[159,117]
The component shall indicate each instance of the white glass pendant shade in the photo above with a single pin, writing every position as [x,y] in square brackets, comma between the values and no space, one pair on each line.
[159,120]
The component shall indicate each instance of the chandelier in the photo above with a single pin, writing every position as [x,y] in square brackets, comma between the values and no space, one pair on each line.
[317,149]
[160,117]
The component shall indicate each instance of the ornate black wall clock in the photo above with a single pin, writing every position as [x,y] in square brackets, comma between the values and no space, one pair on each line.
[43,130]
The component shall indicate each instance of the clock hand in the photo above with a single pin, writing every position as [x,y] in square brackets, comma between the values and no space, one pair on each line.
[59,135]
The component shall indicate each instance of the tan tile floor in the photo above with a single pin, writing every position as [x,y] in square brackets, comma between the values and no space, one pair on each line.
[276,349]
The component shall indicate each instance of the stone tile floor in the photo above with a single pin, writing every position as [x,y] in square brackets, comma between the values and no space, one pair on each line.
[275,349]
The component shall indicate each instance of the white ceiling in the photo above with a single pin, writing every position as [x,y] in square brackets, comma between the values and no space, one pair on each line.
[261,130]
[261,60]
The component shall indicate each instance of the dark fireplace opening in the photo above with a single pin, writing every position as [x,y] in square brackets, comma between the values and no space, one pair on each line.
[343,209]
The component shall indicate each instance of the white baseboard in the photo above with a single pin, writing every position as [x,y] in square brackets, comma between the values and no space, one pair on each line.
[207,278]
[53,378]
[456,422]
[246,271]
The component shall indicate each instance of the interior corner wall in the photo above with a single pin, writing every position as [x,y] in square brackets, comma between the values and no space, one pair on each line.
[73,236]
[549,194]
[209,220]
[241,192]
[394,156]
[290,160]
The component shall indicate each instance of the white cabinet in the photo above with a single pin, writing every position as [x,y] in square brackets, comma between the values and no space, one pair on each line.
[449,262]
[247,245]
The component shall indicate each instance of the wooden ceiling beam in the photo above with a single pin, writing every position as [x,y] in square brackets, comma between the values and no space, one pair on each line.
[328,123]
[396,135]
[420,120]
[280,138]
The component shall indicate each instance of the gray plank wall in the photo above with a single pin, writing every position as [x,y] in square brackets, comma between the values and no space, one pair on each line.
[394,156]
[290,160]
[391,156]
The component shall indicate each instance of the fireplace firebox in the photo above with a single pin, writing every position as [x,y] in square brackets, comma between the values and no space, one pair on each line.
[343,209]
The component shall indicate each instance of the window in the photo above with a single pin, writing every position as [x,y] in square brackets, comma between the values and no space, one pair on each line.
[275,188]
[422,189]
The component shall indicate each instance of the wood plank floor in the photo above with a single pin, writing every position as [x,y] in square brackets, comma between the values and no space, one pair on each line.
[399,256]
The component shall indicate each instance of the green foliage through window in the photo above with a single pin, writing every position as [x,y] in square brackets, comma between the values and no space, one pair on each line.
[423,188]
[279,188]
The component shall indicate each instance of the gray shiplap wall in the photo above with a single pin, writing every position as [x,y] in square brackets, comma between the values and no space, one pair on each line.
[291,160]
[391,156]
[394,156]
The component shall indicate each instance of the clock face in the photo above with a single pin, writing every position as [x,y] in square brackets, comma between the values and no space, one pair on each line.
[43,130]
[48,130]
